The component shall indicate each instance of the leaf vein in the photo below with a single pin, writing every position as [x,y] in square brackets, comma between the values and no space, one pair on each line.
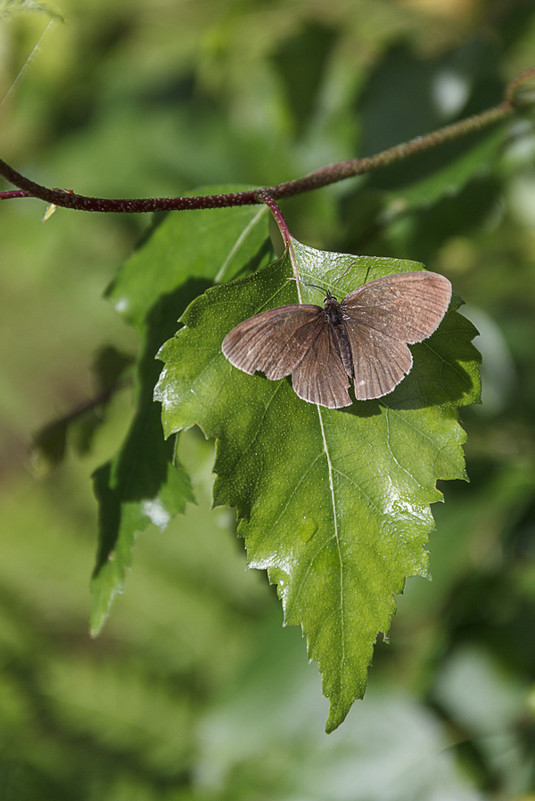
[390,450]
[253,439]
[295,488]
[239,241]
[462,375]
[336,536]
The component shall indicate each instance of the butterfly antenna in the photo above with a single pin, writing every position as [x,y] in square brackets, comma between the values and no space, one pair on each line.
[315,286]
[347,269]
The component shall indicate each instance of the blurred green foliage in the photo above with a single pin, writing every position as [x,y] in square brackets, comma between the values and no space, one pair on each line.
[194,691]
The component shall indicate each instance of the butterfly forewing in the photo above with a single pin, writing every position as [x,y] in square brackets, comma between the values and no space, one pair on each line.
[406,306]
[274,341]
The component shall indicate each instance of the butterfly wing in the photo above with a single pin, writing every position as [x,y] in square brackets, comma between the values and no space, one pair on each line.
[274,341]
[379,361]
[292,339]
[406,306]
[320,376]
[381,317]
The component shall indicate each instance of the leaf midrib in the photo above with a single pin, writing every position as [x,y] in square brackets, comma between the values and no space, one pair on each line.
[337,538]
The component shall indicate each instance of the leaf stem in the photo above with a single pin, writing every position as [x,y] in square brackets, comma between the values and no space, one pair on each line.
[266,198]
[329,174]
[286,237]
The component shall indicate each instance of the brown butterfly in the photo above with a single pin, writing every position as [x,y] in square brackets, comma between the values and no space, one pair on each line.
[361,340]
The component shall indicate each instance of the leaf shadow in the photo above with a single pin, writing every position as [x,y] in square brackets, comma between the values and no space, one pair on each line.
[438,377]
[78,427]
[139,469]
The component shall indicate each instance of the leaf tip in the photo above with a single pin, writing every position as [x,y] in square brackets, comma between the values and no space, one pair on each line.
[337,715]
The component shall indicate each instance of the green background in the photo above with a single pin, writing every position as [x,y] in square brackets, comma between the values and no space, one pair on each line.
[194,690]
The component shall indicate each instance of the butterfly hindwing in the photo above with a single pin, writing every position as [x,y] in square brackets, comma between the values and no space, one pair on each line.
[379,361]
[320,376]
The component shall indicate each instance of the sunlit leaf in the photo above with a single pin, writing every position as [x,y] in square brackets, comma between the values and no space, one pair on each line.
[335,504]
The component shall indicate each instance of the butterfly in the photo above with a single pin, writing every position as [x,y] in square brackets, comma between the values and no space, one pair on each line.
[362,340]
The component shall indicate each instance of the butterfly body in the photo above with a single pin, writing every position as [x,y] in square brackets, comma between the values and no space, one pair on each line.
[361,340]
[335,316]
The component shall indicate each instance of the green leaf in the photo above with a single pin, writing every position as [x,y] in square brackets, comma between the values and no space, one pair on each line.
[404,100]
[211,244]
[334,504]
[429,177]
[49,444]
[144,482]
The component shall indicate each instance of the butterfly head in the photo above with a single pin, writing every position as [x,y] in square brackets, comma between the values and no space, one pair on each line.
[330,300]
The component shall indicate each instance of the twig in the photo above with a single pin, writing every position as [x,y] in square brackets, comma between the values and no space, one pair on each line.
[332,173]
